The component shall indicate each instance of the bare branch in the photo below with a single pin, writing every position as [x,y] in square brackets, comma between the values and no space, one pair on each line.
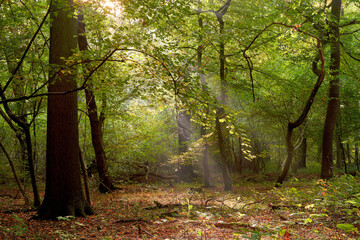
[25,52]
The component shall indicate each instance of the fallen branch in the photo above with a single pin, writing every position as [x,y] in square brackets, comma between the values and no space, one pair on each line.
[131,220]
[277,207]
[131,177]
[160,205]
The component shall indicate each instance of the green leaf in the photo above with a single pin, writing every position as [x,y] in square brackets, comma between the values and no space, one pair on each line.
[347,227]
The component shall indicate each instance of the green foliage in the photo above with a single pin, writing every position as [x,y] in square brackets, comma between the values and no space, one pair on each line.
[347,227]
[154,72]
[65,218]
[340,196]
[19,228]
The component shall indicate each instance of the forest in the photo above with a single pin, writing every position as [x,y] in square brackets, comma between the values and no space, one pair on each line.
[179,119]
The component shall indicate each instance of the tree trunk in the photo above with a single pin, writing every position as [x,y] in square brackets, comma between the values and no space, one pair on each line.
[186,168]
[30,160]
[106,184]
[21,189]
[339,152]
[85,177]
[224,151]
[18,116]
[24,137]
[302,157]
[357,155]
[240,157]
[334,93]
[64,194]
[301,119]
[205,153]
[290,153]
[223,139]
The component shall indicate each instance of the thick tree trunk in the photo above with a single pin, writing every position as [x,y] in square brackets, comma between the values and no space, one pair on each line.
[106,184]
[334,93]
[64,194]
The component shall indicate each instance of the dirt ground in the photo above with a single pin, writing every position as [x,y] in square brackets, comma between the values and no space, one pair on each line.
[141,211]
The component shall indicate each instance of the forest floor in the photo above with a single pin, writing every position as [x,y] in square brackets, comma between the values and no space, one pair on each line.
[163,211]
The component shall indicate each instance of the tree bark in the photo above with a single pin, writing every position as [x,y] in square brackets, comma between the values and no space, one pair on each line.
[339,151]
[186,168]
[357,155]
[302,117]
[18,116]
[106,184]
[300,120]
[240,157]
[205,153]
[303,150]
[334,93]
[85,177]
[223,139]
[64,194]
[21,189]
[224,151]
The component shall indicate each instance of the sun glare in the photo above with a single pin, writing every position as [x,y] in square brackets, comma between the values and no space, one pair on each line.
[111,6]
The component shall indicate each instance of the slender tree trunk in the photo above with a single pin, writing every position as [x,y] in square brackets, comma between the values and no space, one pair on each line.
[30,160]
[357,155]
[186,168]
[339,152]
[24,137]
[64,194]
[27,202]
[303,151]
[224,152]
[18,116]
[240,157]
[302,117]
[290,154]
[106,184]
[205,158]
[348,153]
[334,93]
[85,177]
[293,125]
[205,153]
[223,139]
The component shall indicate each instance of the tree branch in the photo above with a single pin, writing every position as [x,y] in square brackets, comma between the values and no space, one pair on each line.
[25,52]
